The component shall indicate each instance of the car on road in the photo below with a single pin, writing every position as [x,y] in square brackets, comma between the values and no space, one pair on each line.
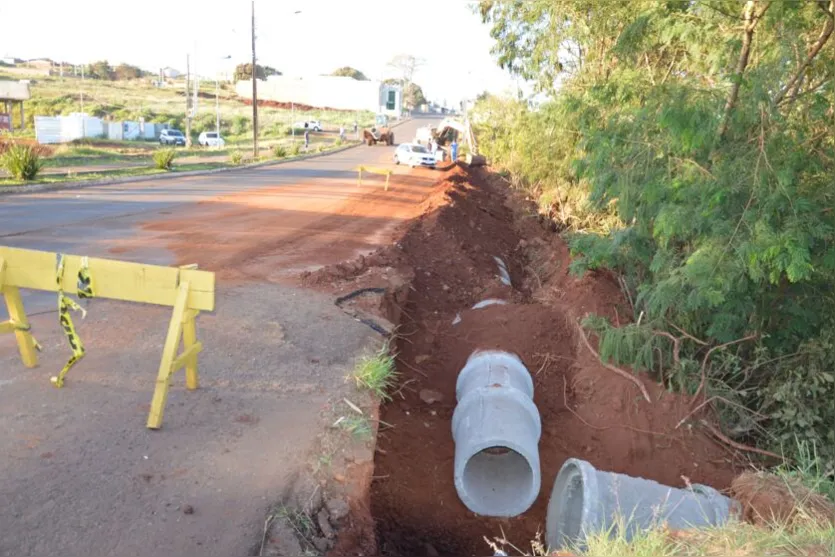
[314,125]
[413,155]
[211,139]
[172,137]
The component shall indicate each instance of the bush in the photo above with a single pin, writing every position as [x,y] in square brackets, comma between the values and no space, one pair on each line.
[279,151]
[164,158]
[21,161]
[338,142]
[296,149]
[236,157]
[239,125]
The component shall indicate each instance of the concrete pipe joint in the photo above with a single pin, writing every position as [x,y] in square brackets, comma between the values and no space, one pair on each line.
[586,501]
[496,429]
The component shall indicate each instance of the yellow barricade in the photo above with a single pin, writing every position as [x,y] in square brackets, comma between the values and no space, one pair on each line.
[185,289]
[373,170]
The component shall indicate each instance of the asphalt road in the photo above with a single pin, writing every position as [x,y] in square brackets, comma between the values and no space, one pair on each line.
[89,221]
[81,473]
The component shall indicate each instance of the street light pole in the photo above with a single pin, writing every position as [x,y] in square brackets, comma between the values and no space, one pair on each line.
[254,90]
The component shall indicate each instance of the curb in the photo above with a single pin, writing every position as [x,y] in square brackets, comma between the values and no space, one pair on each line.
[39,188]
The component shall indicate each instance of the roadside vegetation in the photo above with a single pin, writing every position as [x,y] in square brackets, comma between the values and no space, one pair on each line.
[21,161]
[689,148]
[376,372]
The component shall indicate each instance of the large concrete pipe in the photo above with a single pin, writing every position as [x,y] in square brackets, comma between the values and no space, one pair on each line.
[585,501]
[496,428]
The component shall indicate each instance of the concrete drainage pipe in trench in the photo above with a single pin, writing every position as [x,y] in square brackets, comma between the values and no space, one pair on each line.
[585,501]
[496,428]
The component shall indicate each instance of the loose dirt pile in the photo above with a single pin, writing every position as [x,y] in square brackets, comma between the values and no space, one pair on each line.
[444,264]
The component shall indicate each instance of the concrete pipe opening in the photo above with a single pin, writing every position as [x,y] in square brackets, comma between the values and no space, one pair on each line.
[496,428]
[494,479]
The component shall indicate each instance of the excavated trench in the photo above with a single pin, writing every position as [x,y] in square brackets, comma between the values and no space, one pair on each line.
[447,256]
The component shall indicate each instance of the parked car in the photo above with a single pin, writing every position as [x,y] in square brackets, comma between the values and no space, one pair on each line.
[314,125]
[172,137]
[210,139]
[413,155]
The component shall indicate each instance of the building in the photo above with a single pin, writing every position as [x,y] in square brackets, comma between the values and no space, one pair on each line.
[171,73]
[327,91]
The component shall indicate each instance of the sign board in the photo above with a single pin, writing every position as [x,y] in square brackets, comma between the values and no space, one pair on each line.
[5,121]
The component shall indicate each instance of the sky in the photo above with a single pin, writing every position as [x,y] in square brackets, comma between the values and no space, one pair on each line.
[326,34]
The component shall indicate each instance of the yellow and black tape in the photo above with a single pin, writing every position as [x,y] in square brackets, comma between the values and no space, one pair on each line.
[67,304]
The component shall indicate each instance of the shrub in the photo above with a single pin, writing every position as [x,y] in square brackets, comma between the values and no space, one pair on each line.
[164,158]
[239,125]
[296,149]
[338,142]
[236,157]
[279,151]
[22,161]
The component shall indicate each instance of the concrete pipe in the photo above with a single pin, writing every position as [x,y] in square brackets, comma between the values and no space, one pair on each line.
[496,429]
[585,500]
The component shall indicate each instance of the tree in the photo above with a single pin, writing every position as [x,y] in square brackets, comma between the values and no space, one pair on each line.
[244,71]
[127,71]
[412,93]
[689,149]
[406,65]
[100,70]
[348,71]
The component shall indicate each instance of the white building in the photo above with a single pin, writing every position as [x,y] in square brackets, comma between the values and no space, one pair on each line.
[327,91]
[171,73]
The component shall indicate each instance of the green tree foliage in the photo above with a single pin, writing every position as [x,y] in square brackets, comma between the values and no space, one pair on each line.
[244,71]
[100,70]
[690,147]
[127,71]
[348,71]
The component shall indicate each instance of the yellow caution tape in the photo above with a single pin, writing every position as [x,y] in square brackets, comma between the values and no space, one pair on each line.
[65,305]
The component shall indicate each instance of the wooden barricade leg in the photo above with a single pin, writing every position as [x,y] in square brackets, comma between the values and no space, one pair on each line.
[169,351]
[191,348]
[17,321]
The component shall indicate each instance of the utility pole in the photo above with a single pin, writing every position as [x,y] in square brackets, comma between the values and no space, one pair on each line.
[188,101]
[254,90]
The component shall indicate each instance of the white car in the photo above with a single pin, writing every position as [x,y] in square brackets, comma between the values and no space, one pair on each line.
[211,139]
[314,125]
[414,155]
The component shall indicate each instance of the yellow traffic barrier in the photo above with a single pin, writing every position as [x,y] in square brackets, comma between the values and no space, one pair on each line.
[186,289]
[373,170]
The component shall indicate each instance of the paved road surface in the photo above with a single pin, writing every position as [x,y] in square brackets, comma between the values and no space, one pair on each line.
[81,474]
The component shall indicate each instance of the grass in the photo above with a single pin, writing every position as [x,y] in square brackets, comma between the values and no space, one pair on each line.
[358,426]
[376,373]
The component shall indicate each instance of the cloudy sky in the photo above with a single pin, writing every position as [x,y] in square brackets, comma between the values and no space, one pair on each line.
[326,34]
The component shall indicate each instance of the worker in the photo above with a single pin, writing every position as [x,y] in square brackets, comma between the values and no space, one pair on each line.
[306,139]
[356,130]
[433,147]
[453,150]
[342,133]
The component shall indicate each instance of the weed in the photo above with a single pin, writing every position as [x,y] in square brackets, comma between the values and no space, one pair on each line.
[376,372]
[279,151]
[296,149]
[358,426]
[21,161]
[164,158]
[236,157]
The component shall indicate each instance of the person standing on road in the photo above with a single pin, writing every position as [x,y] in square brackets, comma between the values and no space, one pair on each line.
[342,133]
[356,130]
[453,150]
[306,139]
